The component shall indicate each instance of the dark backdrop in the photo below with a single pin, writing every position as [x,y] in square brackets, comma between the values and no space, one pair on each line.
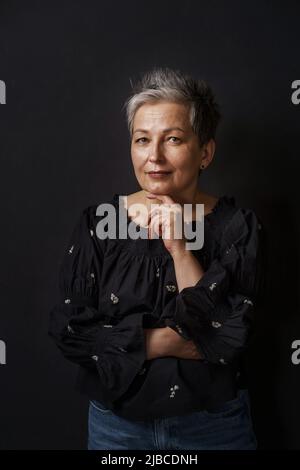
[67,66]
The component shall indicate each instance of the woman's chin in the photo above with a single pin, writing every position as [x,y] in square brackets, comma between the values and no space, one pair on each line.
[158,189]
[152,195]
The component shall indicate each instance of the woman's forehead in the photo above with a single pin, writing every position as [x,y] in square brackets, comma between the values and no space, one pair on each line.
[172,114]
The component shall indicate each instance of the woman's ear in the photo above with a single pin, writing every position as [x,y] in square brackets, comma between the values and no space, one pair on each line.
[208,152]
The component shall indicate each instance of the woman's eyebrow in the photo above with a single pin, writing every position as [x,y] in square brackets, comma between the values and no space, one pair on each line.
[165,130]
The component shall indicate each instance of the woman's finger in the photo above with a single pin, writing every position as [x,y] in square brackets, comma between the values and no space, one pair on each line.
[154,226]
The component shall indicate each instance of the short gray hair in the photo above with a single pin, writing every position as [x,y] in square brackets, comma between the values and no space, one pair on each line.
[172,85]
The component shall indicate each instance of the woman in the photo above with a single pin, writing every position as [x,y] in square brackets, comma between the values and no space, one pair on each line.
[159,330]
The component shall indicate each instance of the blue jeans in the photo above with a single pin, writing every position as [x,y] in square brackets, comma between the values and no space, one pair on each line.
[227,428]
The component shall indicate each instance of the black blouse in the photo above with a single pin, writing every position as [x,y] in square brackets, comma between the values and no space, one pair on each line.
[110,289]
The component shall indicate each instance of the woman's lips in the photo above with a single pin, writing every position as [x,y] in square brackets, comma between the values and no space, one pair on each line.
[159,174]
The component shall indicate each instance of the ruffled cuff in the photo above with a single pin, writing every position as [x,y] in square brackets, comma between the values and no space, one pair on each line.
[120,353]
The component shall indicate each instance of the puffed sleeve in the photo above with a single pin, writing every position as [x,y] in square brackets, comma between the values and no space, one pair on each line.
[217,312]
[79,328]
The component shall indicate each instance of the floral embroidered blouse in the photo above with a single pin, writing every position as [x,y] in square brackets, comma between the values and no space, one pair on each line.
[110,289]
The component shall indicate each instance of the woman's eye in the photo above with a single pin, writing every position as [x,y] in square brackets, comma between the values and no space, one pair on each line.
[144,139]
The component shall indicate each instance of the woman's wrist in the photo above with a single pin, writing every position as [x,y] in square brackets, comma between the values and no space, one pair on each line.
[177,346]
[188,270]
[181,255]
[156,341]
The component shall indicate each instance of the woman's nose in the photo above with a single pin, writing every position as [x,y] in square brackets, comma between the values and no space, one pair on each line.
[156,153]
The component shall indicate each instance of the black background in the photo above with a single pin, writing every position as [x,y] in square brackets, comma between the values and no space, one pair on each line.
[64,145]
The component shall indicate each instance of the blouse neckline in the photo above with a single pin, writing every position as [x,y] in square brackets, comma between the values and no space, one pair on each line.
[155,247]
[207,217]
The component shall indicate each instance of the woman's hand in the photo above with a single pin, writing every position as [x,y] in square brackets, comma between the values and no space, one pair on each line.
[165,221]
[162,342]
[188,270]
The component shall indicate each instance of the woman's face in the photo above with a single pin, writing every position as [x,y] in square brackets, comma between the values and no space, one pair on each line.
[163,140]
